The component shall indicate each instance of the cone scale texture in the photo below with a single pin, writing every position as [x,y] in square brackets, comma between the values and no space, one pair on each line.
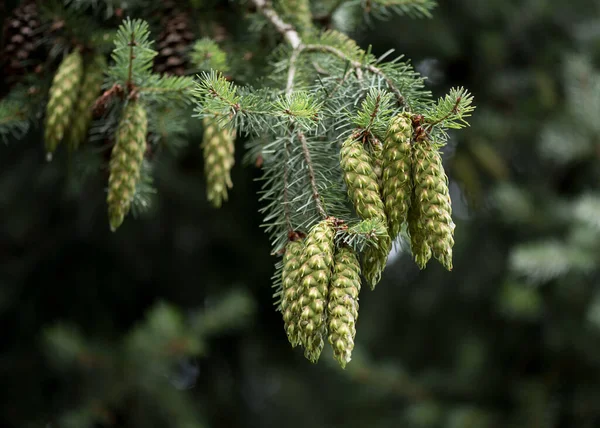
[126,162]
[90,89]
[219,148]
[364,192]
[376,154]
[290,300]
[342,309]
[397,177]
[418,240]
[315,274]
[21,34]
[433,198]
[63,96]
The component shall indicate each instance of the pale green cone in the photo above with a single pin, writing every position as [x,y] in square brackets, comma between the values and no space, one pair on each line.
[361,180]
[418,241]
[342,309]
[315,273]
[364,192]
[376,153]
[126,162]
[375,259]
[62,98]
[218,146]
[290,296]
[431,192]
[397,176]
[89,91]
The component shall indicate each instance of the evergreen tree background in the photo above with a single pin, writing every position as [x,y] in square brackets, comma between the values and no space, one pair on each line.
[170,321]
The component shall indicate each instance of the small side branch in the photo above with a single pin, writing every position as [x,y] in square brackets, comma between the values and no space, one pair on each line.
[311,175]
[292,71]
[287,30]
[359,66]
[132,43]
[286,197]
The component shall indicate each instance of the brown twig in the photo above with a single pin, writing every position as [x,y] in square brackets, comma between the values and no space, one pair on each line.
[359,66]
[287,30]
[311,175]
[286,199]
[132,43]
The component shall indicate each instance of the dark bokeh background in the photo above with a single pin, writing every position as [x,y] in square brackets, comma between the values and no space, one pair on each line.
[170,321]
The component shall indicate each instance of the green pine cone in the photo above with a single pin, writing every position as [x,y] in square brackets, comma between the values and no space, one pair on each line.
[342,310]
[431,192]
[376,154]
[397,177]
[364,192]
[62,98]
[290,304]
[315,273]
[374,260]
[361,180]
[218,147]
[82,112]
[126,162]
[418,243]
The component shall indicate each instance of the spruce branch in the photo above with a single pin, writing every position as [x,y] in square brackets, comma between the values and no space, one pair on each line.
[292,71]
[293,38]
[359,66]
[286,197]
[287,30]
[14,116]
[311,175]
[132,43]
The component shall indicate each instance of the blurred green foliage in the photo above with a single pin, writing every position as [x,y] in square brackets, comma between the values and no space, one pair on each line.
[145,328]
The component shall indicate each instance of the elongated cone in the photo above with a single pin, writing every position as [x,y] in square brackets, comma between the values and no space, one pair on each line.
[218,146]
[290,299]
[315,274]
[397,177]
[431,192]
[364,192]
[418,241]
[126,162]
[376,154]
[63,95]
[361,180]
[342,309]
[82,112]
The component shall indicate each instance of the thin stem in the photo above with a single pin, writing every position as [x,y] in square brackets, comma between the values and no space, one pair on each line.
[132,43]
[292,71]
[359,66]
[287,30]
[311,175]
[286,198]
[293,38]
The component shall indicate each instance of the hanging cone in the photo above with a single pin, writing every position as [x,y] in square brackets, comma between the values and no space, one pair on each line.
[433,197]
[290,296]
[364,192]
[21,35]
[82,113]
[342,310]
[218,148]
[126,162]
[63,95]
[173,42]
[315,273]
[397,177]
